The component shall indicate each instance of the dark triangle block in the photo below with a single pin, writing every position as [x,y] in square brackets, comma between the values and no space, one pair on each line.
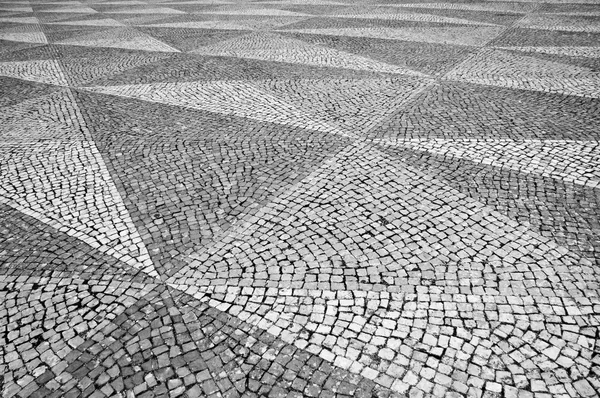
[533,37]
[364,221]
[28,53]
[34,249]
[51,317]
[491,17]
[564,212]
[428,58]
[219,168]
[58,33]
[591,62]
[168,336]
[453,110]
[22,90]
[190,39]
[178,68]
[86,69]
[12,46]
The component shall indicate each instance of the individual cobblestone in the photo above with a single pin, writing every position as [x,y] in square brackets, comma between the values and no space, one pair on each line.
[299,198]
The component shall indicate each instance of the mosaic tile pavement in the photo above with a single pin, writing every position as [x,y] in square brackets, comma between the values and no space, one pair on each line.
[299,198]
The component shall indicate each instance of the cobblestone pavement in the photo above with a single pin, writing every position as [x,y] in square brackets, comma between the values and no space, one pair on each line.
[299,198]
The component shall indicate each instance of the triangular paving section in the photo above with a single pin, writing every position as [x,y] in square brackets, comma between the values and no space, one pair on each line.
[189,39]
[8,47]
[236,98]
[50,172]
[225,25]
[43,71]
[53,317]
[24,20]
[375,220]
[586,52]
[506,69]
[271,47]
[223,355]
[499,18]
[48,117]
[70,10]
[567,211]
[559,22]
[37,250]
[503,7]
[462,36]
[21,90]
[79,197]
[494,113]
[126,38]
[231,24]
[430,58]
[16,8]
[354,105]
[409,16]
[145,10]
[385,337]
[24,33]
[171,187]
[328,224]
[59,33]
[92,22]
[94,65]
[257,11]
[570,161]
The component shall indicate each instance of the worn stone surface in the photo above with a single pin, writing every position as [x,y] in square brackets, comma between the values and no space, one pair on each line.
[299,198]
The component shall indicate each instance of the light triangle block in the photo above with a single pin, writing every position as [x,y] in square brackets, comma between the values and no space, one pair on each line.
[559,22]
[45,71]
[457,35]
[66,185]
[49,117]
[571,161]
[355,105]
[364,211]
[25,20]
[271,47]
[585,52]
[417,234]
[237,98]
[505,69]
[126,38]
[16,9]
[25,37]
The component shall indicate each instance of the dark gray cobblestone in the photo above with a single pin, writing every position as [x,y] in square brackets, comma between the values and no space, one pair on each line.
[299,198]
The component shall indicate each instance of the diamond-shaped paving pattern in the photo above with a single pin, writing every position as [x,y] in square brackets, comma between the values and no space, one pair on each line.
[299,198]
